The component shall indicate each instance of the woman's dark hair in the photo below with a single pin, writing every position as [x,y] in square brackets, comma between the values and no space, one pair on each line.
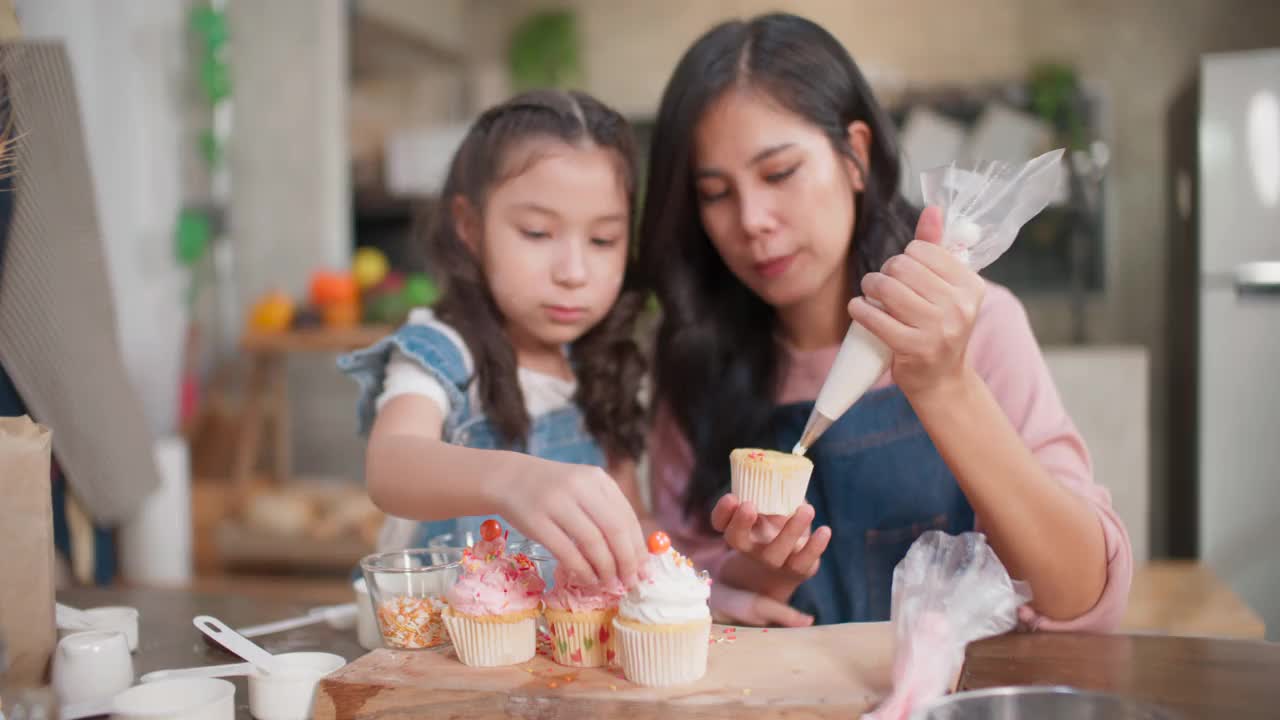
[716,363]
[607,359]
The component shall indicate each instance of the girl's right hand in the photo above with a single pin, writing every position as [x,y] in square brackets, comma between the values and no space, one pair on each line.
[784,545]
[579,514]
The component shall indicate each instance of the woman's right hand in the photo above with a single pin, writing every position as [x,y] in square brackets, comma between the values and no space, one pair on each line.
[578,513]
[783,545]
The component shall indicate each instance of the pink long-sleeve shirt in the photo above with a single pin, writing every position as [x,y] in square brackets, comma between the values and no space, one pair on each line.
[1004,352]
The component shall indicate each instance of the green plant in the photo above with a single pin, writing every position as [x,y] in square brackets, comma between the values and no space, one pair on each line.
[544,51]
[1056,97]
[193,230]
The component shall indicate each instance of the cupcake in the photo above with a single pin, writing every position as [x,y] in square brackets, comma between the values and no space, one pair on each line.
[580,621]
[493,607]
[774,481]
[664,623]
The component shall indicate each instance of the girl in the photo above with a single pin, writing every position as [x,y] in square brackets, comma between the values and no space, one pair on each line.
[512,396]
[772,200]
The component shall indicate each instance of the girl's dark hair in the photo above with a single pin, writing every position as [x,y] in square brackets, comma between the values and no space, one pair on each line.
[607,359]
[716,363]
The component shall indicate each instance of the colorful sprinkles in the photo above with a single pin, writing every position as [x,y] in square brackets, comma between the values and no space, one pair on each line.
[411,623]
[728,635]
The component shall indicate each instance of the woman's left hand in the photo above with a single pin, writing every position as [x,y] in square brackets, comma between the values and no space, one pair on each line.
[929,303]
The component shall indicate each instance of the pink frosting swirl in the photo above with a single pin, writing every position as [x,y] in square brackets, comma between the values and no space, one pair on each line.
[494,582]
[573,597]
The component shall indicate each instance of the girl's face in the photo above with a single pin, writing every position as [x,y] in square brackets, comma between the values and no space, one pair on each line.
[554,241]
[775,197]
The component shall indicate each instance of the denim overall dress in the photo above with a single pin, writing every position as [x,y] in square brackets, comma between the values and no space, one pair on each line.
[558,434]
[879,483]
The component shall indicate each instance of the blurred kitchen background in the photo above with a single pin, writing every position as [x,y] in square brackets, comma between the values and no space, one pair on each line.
[243,152]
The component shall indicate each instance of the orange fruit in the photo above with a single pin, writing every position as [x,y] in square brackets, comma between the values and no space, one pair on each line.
[332,287]
[272,313]
[342,314]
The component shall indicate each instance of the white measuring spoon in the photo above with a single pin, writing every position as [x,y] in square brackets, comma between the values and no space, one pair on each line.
[340,617]
[232,670]
[222,634]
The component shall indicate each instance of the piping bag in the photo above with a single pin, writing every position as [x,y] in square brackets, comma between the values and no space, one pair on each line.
[982,211]
[949,591]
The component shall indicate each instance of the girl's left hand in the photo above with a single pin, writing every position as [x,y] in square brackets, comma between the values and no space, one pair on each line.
[930,300]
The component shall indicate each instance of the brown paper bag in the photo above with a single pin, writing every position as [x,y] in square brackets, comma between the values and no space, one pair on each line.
[26,549]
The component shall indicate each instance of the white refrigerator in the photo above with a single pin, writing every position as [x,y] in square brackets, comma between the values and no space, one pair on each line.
[1225,324]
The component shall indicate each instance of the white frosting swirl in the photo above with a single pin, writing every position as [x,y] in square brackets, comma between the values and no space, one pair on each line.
[670,592]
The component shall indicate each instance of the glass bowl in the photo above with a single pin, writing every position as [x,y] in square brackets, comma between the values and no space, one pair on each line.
[406,589]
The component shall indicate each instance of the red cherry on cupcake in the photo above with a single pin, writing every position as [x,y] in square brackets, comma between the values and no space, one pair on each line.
[490,529]
[659,542]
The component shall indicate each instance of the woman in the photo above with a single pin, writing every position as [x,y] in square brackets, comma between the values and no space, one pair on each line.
[772,200]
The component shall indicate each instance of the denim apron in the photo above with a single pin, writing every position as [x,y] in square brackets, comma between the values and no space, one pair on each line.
[879,483]
[559,434]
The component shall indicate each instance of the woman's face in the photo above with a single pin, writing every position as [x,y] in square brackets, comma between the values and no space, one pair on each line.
[775,197]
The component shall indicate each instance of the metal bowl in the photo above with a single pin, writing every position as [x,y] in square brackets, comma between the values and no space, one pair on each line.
[1038,703]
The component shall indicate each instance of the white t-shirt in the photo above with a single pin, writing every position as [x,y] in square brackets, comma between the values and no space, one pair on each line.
[542,392]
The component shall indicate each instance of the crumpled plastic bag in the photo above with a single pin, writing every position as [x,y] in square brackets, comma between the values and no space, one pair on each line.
[948,591]
[985,207]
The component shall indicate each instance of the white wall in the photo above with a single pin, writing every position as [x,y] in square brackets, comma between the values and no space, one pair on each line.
[290,168]
[129,61]
[290,206]
[1105,391]
[440,23]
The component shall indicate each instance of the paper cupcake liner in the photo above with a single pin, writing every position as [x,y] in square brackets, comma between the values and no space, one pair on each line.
[773,492]
[663,655]
[491,642]
[582,639]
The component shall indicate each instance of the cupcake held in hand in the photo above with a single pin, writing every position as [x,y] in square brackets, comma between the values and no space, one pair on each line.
[775,482]
[664,623]
[580,621]
[493,608]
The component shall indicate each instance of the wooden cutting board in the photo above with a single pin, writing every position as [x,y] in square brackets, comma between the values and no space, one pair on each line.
[834,671]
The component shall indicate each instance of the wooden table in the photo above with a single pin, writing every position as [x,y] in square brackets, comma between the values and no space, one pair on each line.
[1202,678]
[1197,677]
[1183,597]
